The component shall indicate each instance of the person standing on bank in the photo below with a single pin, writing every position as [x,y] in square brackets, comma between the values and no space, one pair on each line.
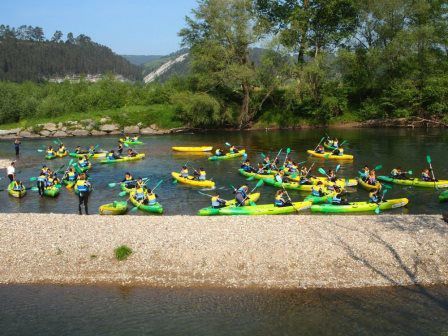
[84,188]
[17,144]
[11,171]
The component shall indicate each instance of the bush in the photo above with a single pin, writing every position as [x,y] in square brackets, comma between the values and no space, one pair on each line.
[122,252]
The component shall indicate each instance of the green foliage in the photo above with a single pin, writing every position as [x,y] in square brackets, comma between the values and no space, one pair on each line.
[197,109]
[122,252]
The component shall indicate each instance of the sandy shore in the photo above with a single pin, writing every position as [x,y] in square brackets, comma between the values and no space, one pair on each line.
[271,252]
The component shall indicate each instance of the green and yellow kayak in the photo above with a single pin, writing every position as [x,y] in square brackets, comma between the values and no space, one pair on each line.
[257,176]
[227,156]
[155,208]
[288,185]
[50,157]
[131,142]
[96,155]
[360,206]
[330,147]
[443,197]
[124,188]
[124,159]
[210,211]
[264,209]
[320,199]
[369,187]
[329,156]
[115,208]
[191,181]
[16,193]
[68,184]
[52,191]
[415,182]
[80,169]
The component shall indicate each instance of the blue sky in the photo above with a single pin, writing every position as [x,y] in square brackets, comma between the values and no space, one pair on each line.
[127,27]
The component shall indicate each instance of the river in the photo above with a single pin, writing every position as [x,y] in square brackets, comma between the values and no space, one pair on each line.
[389,147]
[83,310]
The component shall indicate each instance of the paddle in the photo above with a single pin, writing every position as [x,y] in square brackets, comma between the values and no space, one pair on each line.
[377,210]
[323,138]
[323,172]
[289,199]
[428,159]
[114,184]
[205,194]
[288,150]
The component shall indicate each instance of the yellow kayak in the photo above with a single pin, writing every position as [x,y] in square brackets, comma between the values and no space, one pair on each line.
[192,149]
[191,181]
[328,155]
[369,187]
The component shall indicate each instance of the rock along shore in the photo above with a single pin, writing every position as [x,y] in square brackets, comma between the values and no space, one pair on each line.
[267,252]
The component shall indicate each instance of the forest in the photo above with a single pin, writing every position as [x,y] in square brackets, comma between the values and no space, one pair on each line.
[321,62]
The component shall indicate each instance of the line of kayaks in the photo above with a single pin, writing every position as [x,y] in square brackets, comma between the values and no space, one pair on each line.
[192,149]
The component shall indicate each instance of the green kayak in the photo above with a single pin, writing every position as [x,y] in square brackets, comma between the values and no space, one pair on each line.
[264,209]
[124,188]
[155,208]
[131,142]
[124,159]
[52,191]
[319,199]
[210,211]
[443,197]
[50,157]
[68,184]
[360,206]
[115,208]
[288,185]
[227,156]
[415,182]
[255,175]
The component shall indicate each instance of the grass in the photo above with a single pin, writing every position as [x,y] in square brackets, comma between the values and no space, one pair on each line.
[122,252]
[163,115]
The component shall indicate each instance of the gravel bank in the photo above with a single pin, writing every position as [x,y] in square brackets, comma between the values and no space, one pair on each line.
[271,252]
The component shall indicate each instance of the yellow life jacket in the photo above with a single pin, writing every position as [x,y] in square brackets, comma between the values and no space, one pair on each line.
[130,178]
[202,173]
[151,197]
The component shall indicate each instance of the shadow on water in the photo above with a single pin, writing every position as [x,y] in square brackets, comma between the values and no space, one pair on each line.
[77,310]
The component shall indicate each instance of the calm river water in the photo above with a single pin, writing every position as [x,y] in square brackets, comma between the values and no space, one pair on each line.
[389,147]
[112,311]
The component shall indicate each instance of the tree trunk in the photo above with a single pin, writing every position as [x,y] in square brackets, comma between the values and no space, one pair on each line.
[303,37]
[245,114]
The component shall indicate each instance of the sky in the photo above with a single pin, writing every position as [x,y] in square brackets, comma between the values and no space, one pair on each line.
[131,27]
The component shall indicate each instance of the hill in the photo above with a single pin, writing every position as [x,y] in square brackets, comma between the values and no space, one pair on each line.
[25,54]
[141,59]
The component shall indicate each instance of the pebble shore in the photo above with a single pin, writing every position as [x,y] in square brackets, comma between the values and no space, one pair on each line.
[300,251]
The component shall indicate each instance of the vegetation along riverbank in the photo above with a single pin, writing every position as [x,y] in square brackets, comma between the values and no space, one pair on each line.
[270,252]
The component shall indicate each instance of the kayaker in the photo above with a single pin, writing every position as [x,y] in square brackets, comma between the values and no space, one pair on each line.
[337,198]
[261,169]
[241,195]
[17,144]
[42,181]
[332,176]
[365,173]
[318,189]
[338,152]
[17,185]
[135,138]
[335,143]
[52,180]
[320,149]
[398,173]
[129,180]
[112,156]
[201,175]
[280,200]
[140,194]
[280,177]
[70,174]
[151,198]
[293,167]
[120,148]
[374,196]
[78,149]
[132,153]
[140,183]
[11,171]
[219,152]
[233,150]
[45,170]
[247,167]
[267,162]
[84,161]
[61,149]
[184,172]
[50,151]
[372,177]
[426,176]
[217,202]
[84,188]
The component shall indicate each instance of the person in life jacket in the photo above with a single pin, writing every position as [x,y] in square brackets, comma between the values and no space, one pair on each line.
[261,169]
[280,177]
[247,167]
[139,183]
[293,167]
[426,176]
[338,151]
[17,185]
[337,198]
[217,202]
[42,181]
[372,177]
[151,198]
[184,172]
[332,175]
[132,153]
[241,195]
[50,151]
[374,196]
[320,149]
[267,162]
[83,188]
[140,194]
[83,161]
[135,138]
[70,175]
[111,155]
[335,143]
[318,189]
[280,200]
[61,149]
[129,180]
[233,150]
[219,152]
[201,174]
[52,180]
[120,148]
[365,173]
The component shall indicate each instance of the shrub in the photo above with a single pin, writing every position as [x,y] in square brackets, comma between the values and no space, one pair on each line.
[122,252]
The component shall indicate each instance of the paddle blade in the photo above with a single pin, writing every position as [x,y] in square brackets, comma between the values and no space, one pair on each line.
[32,179]
[174,181]
[112,185]
[410,172]
[263,156]
[134,209]
[34,189]
[338,167]
[122,193]
[322,171]
[260,183]
[227,144]
[428,159]
[288,150]
[378,167]
[40,150]
[250,178]
[386,186]
[377,210]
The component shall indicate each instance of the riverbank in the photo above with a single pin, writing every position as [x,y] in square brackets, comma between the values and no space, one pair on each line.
[266,252]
